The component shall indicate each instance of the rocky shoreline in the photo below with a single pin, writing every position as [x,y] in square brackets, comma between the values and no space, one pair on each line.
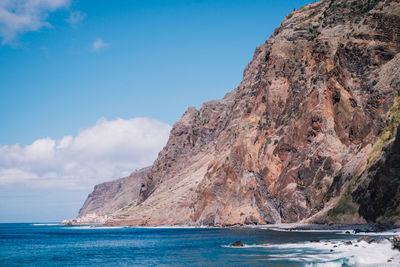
[354,228]
[100,220]
[372,237]
[388,249]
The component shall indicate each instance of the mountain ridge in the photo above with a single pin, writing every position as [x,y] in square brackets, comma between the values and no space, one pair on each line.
[306,136]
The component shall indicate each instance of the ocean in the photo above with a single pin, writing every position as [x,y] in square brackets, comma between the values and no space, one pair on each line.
[38,244]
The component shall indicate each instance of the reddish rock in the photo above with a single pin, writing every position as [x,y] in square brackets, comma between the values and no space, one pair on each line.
[306,136]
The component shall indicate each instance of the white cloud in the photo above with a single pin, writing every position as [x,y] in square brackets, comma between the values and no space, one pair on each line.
[40,150]
[98,45]
[20,16]
[11,175]
[107,150]
[75,17]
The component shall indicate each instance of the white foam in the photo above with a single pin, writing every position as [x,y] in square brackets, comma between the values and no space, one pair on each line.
[306,230]
[386,233]
[340,232]
[319,254]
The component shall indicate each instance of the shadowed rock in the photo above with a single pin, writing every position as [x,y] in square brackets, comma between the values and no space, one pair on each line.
[396,242]
[237,244]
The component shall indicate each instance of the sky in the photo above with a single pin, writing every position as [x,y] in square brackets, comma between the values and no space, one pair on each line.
[89,89]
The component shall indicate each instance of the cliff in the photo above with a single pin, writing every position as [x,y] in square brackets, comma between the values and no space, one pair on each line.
[309,135]
[109,197]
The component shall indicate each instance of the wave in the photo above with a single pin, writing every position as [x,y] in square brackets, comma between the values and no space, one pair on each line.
[386,233]
[306,230]
[340,232]
[334,253]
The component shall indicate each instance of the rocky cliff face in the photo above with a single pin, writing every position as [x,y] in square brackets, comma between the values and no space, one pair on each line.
[109,197]
[310,134]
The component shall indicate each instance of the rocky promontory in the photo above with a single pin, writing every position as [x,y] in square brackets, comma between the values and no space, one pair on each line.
[311,134]
[109,197]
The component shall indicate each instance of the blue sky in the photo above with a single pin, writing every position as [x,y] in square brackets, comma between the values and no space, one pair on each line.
[79,69]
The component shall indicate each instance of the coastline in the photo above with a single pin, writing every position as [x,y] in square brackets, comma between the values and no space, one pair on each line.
[354,245]
[355,228]
[277,245]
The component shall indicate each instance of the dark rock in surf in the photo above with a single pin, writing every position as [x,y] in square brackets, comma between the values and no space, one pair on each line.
[367,239]
[237,244]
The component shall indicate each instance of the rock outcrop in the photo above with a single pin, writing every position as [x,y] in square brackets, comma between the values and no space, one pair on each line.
[109,197]
[310,134]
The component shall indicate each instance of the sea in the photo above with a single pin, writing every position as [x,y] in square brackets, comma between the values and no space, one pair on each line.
[52,244]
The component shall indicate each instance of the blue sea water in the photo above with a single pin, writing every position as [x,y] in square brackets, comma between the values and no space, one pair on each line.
[29,244]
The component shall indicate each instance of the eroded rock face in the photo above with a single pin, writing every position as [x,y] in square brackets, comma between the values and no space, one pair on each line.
[305,136]
[379,191]
[109,197]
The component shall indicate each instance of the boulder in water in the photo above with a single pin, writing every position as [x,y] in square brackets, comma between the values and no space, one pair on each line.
[396,242]
[237,244]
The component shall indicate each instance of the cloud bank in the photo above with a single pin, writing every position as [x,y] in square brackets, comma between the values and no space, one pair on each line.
[20,16]
[107,150]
